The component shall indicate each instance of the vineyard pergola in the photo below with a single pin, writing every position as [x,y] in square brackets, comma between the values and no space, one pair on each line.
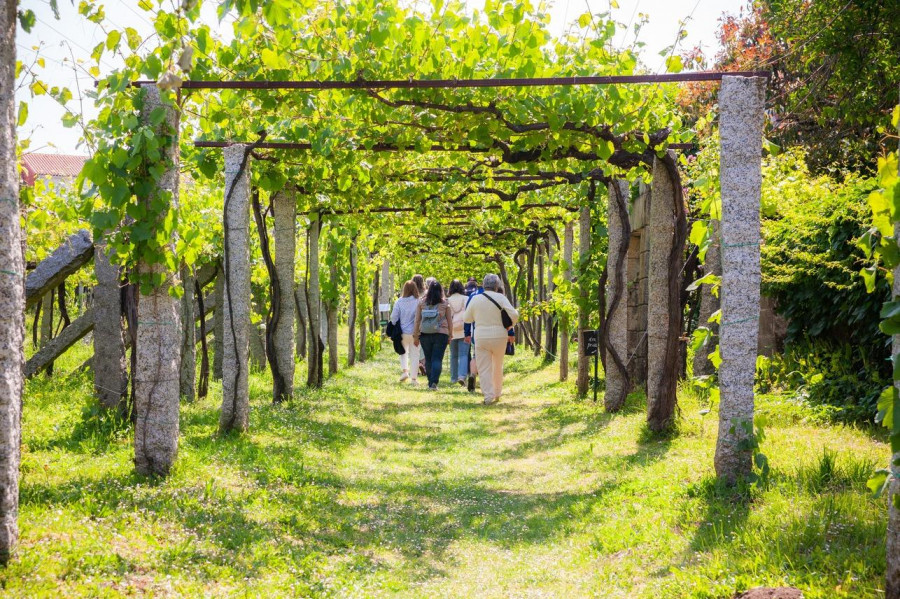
[741,103]
[331,131]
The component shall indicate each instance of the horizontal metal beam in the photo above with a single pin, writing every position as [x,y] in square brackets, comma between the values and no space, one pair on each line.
[288,145]
[392,210]
[312,85]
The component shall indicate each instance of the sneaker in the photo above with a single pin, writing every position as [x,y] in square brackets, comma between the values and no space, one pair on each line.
[432,387]
[470,384]
[404,376]
[491,401]
[414,383]
[462,382]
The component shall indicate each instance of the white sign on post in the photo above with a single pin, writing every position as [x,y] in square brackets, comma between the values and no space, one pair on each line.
[384,307]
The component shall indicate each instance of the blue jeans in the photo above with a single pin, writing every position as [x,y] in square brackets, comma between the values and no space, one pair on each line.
[459,359]
[434,345]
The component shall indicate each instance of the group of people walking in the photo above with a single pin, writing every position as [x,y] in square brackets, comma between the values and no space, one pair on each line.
[474,321]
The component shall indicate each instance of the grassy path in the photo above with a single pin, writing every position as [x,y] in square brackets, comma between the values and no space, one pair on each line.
[370,488]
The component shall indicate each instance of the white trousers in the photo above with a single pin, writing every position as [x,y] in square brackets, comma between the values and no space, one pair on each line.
[489,359]
[410,357]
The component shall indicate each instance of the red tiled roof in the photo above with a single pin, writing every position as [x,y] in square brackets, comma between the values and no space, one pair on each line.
[53,165]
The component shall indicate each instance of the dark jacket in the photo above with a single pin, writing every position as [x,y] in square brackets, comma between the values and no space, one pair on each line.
[393,331]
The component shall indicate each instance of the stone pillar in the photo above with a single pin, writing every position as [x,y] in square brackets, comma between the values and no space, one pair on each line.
[741,104]
[582,381]
[709,303]
[218,322]
[892,573]
[47,323]
[12,292]
[549,337]
[156,376]
[617,382]
[284,205]
[235,414]
[302,317]
[110,366]
[351,318]
[315,346]
[386,295]
[661,228]
[257,347]
[638,292]
[564,325]
[188,369]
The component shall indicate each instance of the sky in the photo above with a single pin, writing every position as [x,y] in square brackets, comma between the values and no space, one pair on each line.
[69,40]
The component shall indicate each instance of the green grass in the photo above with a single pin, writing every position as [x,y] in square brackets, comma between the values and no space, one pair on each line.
[369,488]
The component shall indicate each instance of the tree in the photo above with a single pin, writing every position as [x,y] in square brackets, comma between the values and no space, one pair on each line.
[835,66]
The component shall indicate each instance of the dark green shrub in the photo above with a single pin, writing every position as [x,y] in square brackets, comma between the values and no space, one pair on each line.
[835,354]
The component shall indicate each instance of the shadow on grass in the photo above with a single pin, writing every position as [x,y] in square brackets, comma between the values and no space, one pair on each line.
[281,498]
[571,420]
[418,520]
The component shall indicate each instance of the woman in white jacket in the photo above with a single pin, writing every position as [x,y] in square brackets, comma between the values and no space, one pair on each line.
[491,336]
[404,314]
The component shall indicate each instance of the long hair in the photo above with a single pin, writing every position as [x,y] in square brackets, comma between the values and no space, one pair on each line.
[410,289]
[419,280]
[434,295]
[456,287]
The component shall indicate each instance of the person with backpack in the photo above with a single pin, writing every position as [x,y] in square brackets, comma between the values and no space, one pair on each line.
[432,331]
[471,286]
[403,315]
[493,317]
[459,348]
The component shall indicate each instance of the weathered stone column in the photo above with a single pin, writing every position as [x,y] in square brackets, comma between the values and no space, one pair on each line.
[351,318]
[741,103]
[257,346]
[12,291]
[235,414]
[47,324]
[302,317]
[315,346]
[616,331]
[582,382]
[385,295]
[661,365]
[188,368]
[709,303]
[638,293]
[110,366]
[549,336]
[564,324]
[218,322]
[331,318]
[284,205]
[156,395]
[892,574]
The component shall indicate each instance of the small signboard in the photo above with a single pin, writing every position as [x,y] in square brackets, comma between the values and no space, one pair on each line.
[384,307]
[591,340]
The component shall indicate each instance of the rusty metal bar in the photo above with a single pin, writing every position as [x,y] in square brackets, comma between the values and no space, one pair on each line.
[389,209]
[311,85]
[284,145]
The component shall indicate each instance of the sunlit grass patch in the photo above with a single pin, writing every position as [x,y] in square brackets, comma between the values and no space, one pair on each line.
[369,487]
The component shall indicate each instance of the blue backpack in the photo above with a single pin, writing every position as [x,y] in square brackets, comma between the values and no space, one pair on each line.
[430,320]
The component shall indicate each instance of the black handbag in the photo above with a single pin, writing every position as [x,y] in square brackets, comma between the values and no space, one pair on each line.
[504,317]
[510,348]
